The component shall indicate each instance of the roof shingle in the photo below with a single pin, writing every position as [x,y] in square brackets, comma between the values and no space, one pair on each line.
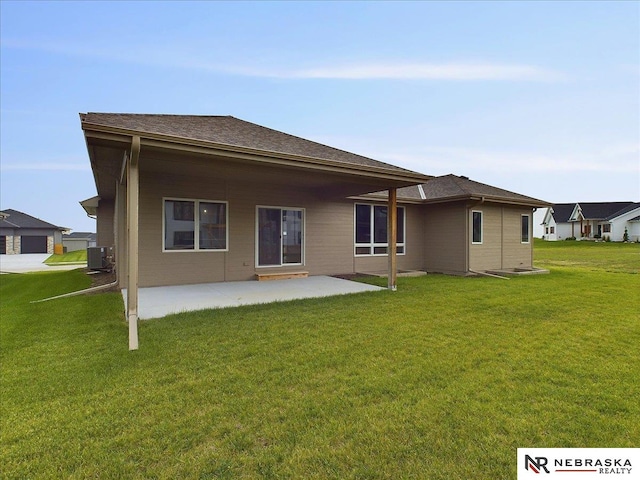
[228,130]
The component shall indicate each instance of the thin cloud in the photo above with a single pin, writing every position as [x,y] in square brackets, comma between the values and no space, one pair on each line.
[430,71]
[611,159]
[452,71]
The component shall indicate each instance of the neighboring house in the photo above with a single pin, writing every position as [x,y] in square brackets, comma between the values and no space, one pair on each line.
[22,233]
[196,199]
[591,220]
[78,241]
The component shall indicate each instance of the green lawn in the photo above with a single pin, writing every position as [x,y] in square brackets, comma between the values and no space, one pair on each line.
[442,379]
[77,256]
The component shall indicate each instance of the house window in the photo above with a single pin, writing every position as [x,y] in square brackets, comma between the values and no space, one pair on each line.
[606,228]
[194,225]
[552,230]
[280,234]
[524,229]
[476,217]
[371,230]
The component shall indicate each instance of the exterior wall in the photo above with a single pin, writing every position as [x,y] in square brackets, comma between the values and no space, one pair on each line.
[634,231]
[516,254]
[10,237]
[73,245]
[551,225]
[436,239]
[564,231]
[105,224]
[501,246]
[620,223]
[412,259]
[328,231]
[445,238]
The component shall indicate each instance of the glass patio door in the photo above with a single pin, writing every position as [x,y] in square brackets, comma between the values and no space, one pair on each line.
[280,236]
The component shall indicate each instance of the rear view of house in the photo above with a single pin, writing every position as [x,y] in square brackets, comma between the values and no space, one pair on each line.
[190,199]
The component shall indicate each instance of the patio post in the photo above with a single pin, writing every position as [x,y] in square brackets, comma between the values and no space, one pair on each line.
[132,241]
[392,233]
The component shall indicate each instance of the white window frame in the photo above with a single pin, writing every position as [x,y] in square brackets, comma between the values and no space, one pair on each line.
[481,227]
[528,228]
[304,237]
[373,245]
[196,225]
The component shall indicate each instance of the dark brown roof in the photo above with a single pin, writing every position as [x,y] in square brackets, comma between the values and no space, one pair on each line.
[231,131]
[452,187]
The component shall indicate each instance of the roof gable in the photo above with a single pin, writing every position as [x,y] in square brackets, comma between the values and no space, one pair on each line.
[562,211]
[16,219]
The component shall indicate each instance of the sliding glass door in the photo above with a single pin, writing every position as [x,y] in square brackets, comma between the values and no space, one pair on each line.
[280,236]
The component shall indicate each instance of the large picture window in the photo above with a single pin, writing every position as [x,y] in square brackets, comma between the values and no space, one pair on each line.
[525,229]
[371,230]
[194,225]
[476,220]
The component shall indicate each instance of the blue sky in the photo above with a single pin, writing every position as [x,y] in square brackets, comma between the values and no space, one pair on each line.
[541,98]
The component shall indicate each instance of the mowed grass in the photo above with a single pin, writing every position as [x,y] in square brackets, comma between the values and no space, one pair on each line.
[77,256]
[442,379]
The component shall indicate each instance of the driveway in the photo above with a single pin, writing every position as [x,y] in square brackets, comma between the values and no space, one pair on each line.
[30,262]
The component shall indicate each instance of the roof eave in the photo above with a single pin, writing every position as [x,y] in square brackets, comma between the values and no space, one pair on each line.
[202,146]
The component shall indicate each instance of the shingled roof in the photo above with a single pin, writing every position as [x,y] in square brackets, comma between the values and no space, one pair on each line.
[562,211]
[15,219]
[230,131]
[601,210]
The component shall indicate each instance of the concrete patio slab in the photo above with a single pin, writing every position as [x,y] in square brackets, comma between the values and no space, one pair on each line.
[155,302]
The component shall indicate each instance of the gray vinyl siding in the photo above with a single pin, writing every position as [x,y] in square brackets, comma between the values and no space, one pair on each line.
[445,238]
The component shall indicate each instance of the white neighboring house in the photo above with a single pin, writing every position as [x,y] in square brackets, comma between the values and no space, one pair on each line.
[556,222]
[626,219]
[593,221]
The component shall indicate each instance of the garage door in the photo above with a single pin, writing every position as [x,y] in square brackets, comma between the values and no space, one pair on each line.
[33,244]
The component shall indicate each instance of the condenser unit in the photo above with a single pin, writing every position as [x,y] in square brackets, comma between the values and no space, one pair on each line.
[99,258]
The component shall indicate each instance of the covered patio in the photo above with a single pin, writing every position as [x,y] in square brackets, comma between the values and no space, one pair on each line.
[155,302]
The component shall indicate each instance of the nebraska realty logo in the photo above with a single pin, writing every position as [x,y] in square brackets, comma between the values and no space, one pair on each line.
[582,463]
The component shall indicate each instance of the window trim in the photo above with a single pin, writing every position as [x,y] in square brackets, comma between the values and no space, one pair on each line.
[481,227]
[528,241]
[372,245]
[304,237]
[196,224]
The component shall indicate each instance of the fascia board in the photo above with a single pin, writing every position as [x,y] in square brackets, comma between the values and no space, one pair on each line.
[265,156]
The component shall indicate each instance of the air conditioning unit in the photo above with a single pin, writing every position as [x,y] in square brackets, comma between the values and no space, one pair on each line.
[99,258]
